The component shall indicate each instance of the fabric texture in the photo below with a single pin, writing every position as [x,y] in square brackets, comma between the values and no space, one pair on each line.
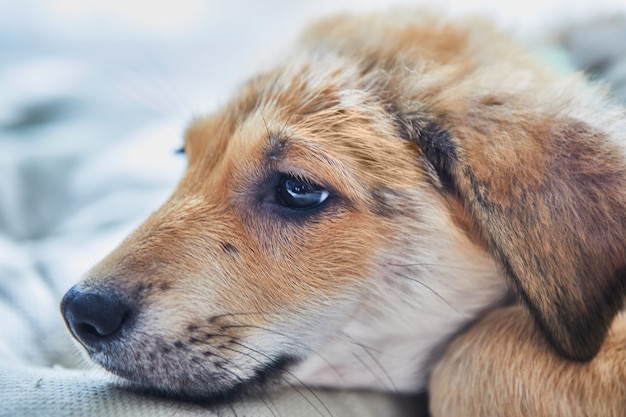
[40,392]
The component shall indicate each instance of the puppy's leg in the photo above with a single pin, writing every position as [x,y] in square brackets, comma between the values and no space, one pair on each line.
[502,366]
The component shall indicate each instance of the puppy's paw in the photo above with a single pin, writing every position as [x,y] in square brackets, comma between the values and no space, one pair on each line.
[502,366]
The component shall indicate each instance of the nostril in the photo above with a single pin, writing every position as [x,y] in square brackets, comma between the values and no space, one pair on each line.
[99,326]
[94,317]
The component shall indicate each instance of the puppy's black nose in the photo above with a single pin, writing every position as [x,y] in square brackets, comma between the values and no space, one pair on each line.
[94,318]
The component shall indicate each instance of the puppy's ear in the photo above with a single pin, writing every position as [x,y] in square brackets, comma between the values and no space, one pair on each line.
[548,197]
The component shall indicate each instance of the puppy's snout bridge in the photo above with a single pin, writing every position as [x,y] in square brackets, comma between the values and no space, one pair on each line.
[95,318]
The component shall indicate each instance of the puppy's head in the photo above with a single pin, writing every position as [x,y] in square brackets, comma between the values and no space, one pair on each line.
[292,193]
[382,142]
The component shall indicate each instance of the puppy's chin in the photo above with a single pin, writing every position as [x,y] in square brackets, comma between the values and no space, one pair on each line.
[217,388]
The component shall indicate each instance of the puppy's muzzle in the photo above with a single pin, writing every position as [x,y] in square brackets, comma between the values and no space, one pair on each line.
[95,318]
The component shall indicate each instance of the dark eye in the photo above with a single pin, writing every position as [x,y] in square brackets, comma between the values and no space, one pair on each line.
[298,194]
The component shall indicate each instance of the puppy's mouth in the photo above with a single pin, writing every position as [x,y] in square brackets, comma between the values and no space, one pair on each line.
[219,386]
[213,360]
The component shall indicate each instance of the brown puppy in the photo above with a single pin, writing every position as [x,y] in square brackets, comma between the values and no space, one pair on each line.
[349,212]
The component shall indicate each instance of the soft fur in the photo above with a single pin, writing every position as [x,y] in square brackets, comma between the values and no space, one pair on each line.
[460,170]
[504,367]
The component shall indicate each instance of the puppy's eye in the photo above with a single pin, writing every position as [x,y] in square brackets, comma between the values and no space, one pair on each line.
[298,194]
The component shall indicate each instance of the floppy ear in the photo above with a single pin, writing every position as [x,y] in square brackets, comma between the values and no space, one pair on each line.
[548,197]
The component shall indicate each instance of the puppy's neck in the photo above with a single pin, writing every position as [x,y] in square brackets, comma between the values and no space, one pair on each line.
[424,294]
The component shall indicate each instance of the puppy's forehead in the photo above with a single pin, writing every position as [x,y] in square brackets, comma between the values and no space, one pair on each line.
[317,113]
[286,95]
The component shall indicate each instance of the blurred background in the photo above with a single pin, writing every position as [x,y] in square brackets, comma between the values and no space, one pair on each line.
[94,97]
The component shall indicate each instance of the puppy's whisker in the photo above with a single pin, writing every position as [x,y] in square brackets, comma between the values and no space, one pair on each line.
[382,383]
[434,265]
[145,93]
[238,378]
[292,339]
[287,372]
[428,288]
[267,129]
[378,364]
[377,351]
[261,387]
[170,90]
[245,313]
[233,410]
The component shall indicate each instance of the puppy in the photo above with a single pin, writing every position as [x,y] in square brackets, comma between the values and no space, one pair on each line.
[350,212]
